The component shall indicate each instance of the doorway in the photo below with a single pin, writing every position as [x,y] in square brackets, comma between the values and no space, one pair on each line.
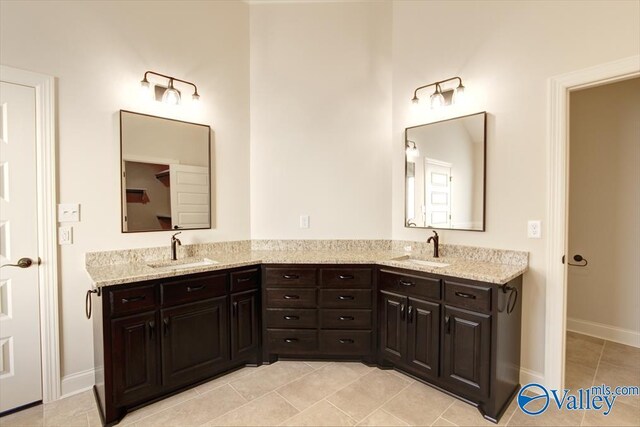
[29,356]
[603,322]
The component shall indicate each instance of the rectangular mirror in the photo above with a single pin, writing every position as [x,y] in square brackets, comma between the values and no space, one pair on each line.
[166,169]
[445,174]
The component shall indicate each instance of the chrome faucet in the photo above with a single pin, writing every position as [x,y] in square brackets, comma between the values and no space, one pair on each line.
[436,242]
[175,242]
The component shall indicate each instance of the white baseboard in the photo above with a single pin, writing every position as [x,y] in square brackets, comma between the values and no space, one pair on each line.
[606,332]
[77,383]
[528,376]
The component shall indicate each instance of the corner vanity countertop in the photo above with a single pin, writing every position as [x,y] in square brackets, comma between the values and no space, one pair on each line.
[466,268]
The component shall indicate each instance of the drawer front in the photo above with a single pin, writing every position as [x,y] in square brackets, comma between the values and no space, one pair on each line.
[345,298]
[345,319]
[345,277]
[427,287]
[245,280]
[292,318]
[187,290]
[345,342]
[294,276]
[294,341]
[291,298]
[131,300]
[473,297]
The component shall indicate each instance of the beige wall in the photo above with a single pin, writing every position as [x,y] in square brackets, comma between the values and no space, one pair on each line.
[320,119]
[604,205]
[505,52]
[99,51]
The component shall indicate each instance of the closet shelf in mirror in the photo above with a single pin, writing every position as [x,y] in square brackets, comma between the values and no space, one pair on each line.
[137,195]
[163,177]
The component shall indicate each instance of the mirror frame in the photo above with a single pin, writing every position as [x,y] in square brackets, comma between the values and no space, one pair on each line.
[122,172]
[484,174]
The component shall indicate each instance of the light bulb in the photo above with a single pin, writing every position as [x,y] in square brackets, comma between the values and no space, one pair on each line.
[458,95]
[171,96]
[412,151]
[415,100]
[437,100]
[145,88]
[195,98]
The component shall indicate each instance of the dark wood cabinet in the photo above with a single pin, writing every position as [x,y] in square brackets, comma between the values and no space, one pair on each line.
[195,340]
[157,337]
[423,336]
[460,335]
[467,351]
[135,357]
[245,324]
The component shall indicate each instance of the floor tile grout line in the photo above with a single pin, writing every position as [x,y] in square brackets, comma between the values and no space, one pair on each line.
[388,400]
[389,413]
[348,416]
[595,375]
[446,409]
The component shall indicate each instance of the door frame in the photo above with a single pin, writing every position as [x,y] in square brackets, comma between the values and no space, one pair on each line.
[559,88]
[46,194]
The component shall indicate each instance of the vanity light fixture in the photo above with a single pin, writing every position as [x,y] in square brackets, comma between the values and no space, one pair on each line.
[412,151]
[440,97]
[167,94]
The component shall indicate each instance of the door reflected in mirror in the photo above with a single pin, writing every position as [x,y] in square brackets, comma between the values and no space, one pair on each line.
[445,174]
[166,173]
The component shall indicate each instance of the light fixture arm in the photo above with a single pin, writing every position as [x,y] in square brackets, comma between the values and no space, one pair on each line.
[436,84]
[195,88]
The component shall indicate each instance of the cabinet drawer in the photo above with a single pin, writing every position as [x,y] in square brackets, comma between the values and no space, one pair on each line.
[296,298]
[345,277]
[345,298]
[131,300]
[194,289]
[345,342]
[245,280]
[293,341]
[292,318]
[427,287]
[294,276]
[345,319]
[473,297]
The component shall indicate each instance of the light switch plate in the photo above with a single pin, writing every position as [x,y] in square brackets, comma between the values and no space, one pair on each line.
[68,212]
[65,235]
[304,221]
[534,229]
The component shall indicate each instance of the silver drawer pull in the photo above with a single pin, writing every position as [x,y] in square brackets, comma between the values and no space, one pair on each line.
[346,297]
[291,297]
[345,318]
[346,341]
[465,295]
[290,340]
[291,318]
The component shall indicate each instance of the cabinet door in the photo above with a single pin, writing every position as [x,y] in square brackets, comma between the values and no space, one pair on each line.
[423,336]
[467,351]
[392,326]
[135,357]
[194,340]
[245,325]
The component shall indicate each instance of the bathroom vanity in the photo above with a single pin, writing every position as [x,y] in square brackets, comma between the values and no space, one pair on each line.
[159,331]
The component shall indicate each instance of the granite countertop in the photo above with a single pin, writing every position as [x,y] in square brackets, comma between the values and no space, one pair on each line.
[466,268]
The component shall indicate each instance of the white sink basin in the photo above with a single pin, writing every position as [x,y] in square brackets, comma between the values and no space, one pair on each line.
[178,265]
[422,262]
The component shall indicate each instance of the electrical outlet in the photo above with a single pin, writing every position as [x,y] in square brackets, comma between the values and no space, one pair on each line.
[534,229]
[304,221]
[65,235]
[68,212]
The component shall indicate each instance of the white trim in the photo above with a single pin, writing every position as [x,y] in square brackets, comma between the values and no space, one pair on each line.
[557,212]
[606,332]
[77,383]
[47,236]
[528,376]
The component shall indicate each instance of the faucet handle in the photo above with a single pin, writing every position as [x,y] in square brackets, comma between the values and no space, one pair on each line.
[174,236]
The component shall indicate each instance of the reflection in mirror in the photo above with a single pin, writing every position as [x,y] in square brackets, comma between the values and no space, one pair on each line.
[165,173]
[445,174]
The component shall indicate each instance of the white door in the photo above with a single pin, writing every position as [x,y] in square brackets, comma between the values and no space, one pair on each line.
[20,358]
[437,193]
[189,196]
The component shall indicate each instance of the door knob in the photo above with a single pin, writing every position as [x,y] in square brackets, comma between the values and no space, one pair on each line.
[22,263]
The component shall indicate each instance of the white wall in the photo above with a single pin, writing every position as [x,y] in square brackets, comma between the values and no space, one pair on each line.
[604,207]
[504,52]
[99,52]
[320,119]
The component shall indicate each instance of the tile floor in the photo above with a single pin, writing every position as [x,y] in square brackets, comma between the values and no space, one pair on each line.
[347,394]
